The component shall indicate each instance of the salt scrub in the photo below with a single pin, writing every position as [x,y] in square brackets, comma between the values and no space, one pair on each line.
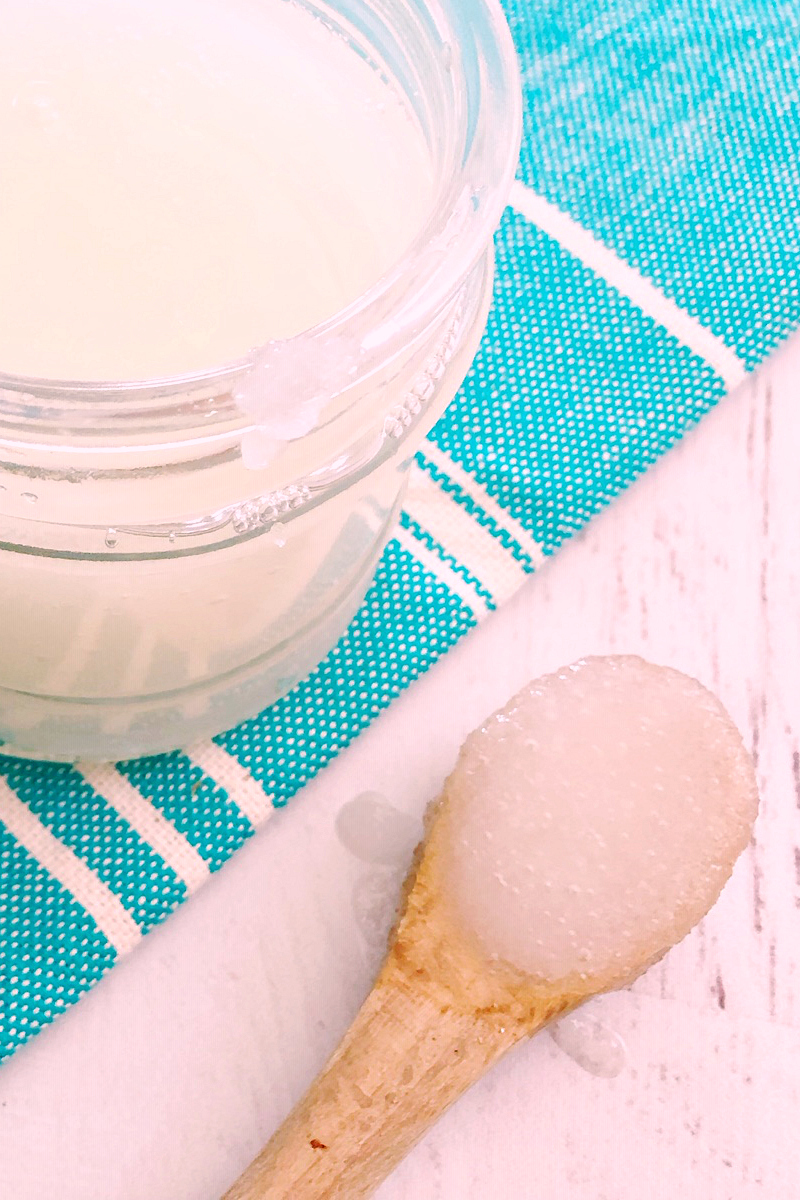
[187,184]
[376,832]
[286,390]
[590,1044]
[268,226]
[227,174]
[595,820]
[375,901]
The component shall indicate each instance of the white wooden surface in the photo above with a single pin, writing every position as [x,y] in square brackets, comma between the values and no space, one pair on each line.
[162,1083]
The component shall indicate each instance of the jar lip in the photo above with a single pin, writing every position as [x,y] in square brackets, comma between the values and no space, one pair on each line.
[446,248]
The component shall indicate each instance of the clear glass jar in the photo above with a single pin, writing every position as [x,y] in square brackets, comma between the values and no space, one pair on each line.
[135,620]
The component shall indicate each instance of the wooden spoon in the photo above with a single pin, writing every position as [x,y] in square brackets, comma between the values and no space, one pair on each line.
[445,1006]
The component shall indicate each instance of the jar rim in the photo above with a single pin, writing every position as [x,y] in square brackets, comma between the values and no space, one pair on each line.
[474,45]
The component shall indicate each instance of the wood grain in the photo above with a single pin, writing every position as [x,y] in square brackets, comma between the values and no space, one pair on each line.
[437,1018]
[405,1059]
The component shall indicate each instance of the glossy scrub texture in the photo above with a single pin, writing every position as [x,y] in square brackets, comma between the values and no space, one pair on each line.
[598,816]
[245,263]
[181,182]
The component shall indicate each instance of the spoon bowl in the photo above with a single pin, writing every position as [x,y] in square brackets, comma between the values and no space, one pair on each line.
[624,787]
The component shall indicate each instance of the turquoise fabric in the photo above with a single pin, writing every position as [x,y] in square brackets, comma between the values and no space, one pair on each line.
[669,132]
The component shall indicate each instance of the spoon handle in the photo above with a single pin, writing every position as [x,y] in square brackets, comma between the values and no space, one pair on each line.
[407,1056]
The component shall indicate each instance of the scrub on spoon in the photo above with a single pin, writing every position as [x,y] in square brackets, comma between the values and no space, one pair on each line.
[586,828]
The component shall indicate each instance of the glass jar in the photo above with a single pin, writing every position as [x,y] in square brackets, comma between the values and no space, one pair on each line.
[136,618]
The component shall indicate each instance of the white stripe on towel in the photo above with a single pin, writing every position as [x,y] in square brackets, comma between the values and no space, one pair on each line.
[469,542]
[151,825]
[574,238]
[477,492]
[110,915]
[443,571]
[245,791]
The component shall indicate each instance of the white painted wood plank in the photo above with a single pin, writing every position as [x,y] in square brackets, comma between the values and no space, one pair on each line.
[168,1077]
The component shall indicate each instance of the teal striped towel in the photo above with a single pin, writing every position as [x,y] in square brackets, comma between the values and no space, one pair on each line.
[648,260]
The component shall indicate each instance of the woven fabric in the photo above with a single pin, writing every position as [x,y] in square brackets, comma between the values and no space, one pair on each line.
[648,260]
